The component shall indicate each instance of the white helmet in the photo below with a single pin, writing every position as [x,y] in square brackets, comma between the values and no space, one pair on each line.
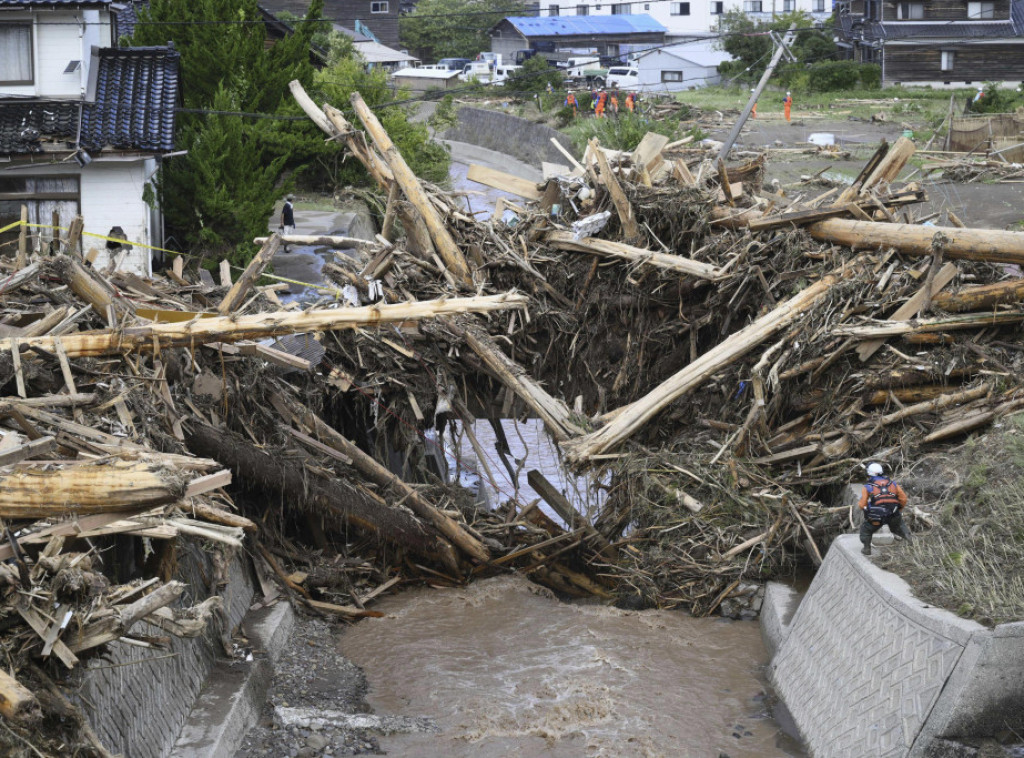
[875,469]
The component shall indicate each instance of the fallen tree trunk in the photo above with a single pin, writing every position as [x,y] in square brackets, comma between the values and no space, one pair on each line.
[629,419]
[553,412]
[257,326]
[344,243]
[39,491]
[334,497]
[379,475]
[980,297]
[88,285]
[609,249]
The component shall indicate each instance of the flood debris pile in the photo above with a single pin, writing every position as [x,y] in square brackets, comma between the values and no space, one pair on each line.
[716,352]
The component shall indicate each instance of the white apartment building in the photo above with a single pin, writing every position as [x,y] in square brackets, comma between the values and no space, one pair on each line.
[693,18]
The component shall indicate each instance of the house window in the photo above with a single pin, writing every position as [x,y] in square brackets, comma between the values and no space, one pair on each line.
[680,9]
[788,6]
[582,10]
[379,6]
[553,10]
[947,60]
[910,11]
[647,6]
[819,6]
[981,11]
[752,6]
[16,54]
[42,195]
[671,76]
[717,8]
[620,9]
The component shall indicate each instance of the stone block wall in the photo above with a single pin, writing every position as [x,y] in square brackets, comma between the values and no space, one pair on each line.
[518,137]
[137,699]
[866,668]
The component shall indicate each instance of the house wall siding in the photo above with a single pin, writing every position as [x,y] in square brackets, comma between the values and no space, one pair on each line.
[651,66]
[971,63]
[112,196]
[383,25]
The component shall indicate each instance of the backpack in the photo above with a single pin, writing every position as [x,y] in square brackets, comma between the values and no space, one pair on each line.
[883,501]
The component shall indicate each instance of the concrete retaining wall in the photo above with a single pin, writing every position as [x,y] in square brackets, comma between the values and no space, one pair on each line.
[865,668]
[522,139]
[137,699]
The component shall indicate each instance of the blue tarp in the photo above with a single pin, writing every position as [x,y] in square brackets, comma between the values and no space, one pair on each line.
[578,26]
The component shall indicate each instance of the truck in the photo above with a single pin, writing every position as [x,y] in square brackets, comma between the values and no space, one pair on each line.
[587,70]
[486,72]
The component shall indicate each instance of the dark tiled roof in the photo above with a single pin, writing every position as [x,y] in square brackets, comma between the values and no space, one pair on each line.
[136,94]
[126,16]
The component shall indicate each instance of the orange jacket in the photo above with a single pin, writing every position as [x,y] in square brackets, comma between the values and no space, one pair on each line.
[901,495]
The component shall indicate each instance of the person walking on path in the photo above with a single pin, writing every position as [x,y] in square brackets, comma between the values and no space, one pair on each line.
[882,502]
[288,216]
[787,103]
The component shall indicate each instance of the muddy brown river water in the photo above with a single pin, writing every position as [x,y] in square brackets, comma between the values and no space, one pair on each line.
[506,669]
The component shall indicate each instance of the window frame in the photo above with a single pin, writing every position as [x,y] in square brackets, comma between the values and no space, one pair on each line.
[671,77]
[31,53]
[717,7]
[554,10]
[819,6]
[679,9]
[584,8]
[947,59]
[753,6]
[617,9]
[788,6]
[904,11]
[987,14]
[378,3]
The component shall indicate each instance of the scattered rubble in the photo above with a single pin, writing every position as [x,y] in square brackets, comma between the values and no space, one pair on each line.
[716,347]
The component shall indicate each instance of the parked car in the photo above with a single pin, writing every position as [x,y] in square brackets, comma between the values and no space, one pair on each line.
[453,64]
[623,77]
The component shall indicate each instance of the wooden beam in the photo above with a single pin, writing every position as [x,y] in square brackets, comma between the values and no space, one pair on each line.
[503,181]
[610,249]
[237,294]
[261,325]
[619,199]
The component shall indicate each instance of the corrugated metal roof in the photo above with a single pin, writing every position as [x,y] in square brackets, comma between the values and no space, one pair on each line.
[136,94]
[580,26]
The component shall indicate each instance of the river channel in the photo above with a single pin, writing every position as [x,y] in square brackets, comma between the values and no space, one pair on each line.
[506,669]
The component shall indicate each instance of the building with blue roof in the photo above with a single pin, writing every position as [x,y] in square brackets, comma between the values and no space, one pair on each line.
[607,35]
[84,124]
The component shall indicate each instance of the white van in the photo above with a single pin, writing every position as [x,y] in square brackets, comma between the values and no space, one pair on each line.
[623,77]
[486,73]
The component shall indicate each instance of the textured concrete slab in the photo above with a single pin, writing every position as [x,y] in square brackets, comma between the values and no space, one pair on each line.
[235,691]
[866,668]
[777,611]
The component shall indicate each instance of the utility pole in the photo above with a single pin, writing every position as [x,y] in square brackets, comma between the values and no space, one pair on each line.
[781,46]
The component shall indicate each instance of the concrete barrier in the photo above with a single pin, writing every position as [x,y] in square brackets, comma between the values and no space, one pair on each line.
[518,137]
[137,699]
[867,669]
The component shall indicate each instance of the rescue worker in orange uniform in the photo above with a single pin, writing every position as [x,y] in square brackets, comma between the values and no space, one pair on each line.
[570,102]
[630,102]
[602,103]
[787,104]
[753,111]
[882,502]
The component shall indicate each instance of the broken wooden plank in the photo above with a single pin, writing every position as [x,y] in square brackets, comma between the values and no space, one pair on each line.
[610,249]
[28,450]
[236,295]
[503,181]
[619,199]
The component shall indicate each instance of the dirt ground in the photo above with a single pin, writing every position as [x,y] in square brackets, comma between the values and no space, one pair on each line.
[979,204]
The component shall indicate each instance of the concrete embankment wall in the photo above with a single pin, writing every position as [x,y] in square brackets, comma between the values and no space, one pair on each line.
[867,669]
[518,137]
[137,699]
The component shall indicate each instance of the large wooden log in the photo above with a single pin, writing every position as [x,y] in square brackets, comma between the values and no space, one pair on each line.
[236,295]
[980,297]
[632,417]
[922,326]
[609,249]
[987,245]
[90,286]
[622,205]
[16,700]
[258,326]
[342,243]
[38,491]
[378,474]
[267,473]
[446,247]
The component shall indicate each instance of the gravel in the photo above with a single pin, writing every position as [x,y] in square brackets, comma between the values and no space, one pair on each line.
[312,674]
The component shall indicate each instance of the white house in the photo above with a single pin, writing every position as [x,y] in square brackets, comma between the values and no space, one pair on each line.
[687,65]
[83,123]
[694,18]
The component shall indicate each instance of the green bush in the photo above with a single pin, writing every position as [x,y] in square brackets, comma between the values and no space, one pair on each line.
[870,76]
[445,115]
[623,132]
[832,76]
[534,76]
[996,100]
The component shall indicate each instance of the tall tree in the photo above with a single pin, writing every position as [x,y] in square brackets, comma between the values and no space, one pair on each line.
[220,194]
[454,28]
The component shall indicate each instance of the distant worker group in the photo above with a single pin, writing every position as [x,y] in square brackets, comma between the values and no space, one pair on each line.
[603,102]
